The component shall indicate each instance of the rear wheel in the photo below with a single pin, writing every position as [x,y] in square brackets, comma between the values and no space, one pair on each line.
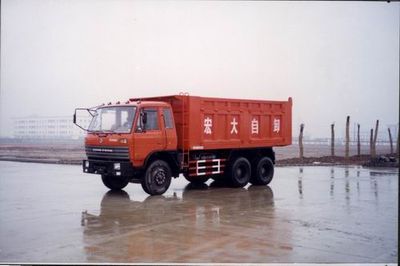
[239,172]
[263,172]
[114,182]
[196,179]
[157,178]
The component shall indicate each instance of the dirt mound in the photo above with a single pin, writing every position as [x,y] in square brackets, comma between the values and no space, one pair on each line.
[364,160]
[383,161]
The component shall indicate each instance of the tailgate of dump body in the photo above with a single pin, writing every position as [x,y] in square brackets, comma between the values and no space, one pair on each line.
[204,123]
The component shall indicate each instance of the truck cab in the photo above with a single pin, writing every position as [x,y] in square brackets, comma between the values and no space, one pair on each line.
[123,138]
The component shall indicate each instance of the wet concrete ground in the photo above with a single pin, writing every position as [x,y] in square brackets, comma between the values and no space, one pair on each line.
[55,213]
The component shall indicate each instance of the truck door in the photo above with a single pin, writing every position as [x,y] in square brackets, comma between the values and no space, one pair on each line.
[169,129]
[151,137]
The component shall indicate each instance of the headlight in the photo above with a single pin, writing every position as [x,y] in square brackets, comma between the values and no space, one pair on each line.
[86,164]
[117,166]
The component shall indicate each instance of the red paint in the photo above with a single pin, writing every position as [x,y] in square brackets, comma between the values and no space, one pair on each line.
[202,123]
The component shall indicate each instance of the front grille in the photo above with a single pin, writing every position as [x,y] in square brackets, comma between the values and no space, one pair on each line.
[107,153]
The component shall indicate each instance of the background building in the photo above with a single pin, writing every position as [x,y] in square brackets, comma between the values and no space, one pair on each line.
[48,127]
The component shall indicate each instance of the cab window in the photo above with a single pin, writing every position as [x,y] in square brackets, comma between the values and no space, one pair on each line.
[152,119]
[168,118]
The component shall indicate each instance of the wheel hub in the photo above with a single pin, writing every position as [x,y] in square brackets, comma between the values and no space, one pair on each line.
[239,172]
[263,171]
[160,177]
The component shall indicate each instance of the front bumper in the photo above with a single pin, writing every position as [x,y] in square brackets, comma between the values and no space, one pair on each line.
[109,168]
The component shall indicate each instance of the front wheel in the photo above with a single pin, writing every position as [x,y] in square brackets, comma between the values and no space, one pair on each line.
[157,178]
[113,182]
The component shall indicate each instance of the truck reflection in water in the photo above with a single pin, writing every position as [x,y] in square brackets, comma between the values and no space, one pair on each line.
[208,224]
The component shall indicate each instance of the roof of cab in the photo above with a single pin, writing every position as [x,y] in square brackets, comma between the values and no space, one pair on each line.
[152,103]
[137,103]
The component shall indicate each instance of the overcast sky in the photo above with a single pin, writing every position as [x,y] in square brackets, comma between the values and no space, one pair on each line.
[334,58]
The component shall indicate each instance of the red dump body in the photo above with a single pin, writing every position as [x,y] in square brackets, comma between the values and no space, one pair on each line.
[217,123]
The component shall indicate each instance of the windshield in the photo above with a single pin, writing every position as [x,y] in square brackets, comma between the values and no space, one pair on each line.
[118,119]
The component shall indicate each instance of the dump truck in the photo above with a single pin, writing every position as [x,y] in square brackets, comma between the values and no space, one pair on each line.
[150,140]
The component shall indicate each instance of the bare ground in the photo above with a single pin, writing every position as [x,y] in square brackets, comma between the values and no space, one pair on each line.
[314,154]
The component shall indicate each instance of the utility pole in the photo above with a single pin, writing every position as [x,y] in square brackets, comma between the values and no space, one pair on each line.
[347,137]
[371,143]
[391,141]
[398,141]
[375,137]
[333,139]
[301,141]
[358,140]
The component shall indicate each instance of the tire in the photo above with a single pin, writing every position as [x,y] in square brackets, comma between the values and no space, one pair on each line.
[196,179]
[113,182]
[263,172]
[239,172]
[157,178]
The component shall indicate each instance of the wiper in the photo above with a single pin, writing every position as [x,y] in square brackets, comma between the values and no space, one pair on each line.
[121,131]
[100,131]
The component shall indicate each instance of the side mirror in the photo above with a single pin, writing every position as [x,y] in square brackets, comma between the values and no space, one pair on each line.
[142,122]
[78,112]
[141,127]
[144,118]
